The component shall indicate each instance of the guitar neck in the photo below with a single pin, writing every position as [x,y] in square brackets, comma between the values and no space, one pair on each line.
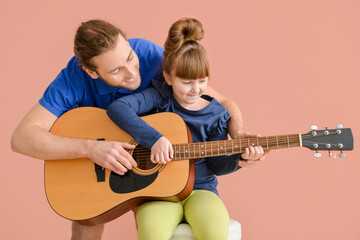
[234,146]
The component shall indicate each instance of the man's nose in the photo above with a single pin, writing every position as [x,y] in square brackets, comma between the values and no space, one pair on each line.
[130,70]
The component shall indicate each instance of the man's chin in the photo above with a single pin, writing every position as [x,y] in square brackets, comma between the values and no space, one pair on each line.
[131,86]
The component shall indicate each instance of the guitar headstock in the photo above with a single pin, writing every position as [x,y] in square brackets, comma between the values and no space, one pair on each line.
[340,139]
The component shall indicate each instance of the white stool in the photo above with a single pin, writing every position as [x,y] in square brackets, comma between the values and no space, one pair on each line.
[183,231]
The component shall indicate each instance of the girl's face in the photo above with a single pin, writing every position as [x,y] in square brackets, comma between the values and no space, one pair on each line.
[187,92]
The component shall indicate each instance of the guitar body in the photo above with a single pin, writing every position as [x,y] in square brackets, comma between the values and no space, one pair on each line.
[78,192]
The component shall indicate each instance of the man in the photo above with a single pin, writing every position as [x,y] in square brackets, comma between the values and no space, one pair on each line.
[105,67]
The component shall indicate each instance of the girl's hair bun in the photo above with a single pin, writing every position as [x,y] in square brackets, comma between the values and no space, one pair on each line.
[182,31]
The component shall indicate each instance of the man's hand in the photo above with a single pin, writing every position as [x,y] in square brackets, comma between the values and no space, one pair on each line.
[162,151]
[112,155]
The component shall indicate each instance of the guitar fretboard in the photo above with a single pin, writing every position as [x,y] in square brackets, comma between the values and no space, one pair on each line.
[235,146]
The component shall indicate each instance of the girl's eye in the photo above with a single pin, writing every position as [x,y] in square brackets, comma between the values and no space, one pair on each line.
[186,83]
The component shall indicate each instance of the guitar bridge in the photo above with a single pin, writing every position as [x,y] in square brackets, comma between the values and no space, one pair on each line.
[100,173]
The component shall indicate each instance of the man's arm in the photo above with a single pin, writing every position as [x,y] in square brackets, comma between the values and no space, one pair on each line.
[32,138]
[236,124]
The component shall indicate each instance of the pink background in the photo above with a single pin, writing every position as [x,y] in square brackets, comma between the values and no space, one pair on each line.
[288,64]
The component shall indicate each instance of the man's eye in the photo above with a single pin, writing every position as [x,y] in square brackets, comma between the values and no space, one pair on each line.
[115,71]
[131,57]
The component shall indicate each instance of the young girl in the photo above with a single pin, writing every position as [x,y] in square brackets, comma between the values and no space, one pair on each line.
[186,73]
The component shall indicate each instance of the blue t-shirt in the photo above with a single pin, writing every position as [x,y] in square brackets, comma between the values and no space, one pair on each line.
[73,87]
[207,124]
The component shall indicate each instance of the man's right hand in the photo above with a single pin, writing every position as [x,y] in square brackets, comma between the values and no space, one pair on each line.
[32,138]
[112,155]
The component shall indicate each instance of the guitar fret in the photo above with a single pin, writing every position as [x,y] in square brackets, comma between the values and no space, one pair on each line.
[176,151]
[199,150]
[267,143]
[184,150]
[218,148]
[287,136]
[277,142]
[205,150]
[189,150]
[225,147]
[212,149]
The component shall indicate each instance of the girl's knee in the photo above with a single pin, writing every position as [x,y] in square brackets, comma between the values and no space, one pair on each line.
[158,219]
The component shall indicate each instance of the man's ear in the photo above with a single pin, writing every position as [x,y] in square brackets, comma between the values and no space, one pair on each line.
[91,73]
[167,78]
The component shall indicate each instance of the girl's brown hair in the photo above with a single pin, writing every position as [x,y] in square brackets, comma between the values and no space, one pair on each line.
[184,57]
[93,38]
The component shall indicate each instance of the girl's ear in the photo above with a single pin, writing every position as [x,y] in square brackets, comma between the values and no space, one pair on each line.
[167,78]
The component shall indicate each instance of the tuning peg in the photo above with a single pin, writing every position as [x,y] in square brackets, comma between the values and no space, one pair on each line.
[313,128]
[317,154]
[339,126]
[342,155]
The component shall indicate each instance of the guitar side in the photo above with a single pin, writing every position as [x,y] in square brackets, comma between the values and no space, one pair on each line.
[71,185]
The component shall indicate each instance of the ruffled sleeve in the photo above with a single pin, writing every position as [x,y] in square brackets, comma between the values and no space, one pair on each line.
[165,92]
[219,130]
[222,165]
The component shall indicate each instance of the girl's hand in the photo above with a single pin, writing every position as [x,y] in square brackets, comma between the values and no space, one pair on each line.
[252,154]
[162,151]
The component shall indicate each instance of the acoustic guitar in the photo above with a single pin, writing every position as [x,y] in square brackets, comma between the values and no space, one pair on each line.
[81,191]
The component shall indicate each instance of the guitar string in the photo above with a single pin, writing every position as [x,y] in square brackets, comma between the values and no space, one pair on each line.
[270,143]
[142,154]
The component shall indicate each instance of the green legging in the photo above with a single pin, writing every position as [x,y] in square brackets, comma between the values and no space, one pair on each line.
[203,210]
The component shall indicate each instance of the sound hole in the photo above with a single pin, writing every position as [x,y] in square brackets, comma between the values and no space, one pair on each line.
[142,158]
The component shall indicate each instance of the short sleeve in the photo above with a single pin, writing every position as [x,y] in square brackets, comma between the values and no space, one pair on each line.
[63,93]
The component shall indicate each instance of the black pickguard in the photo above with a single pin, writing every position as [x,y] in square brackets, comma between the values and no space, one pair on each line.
[130,181]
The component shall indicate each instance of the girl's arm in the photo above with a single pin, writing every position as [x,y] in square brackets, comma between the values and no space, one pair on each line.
[124,113]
